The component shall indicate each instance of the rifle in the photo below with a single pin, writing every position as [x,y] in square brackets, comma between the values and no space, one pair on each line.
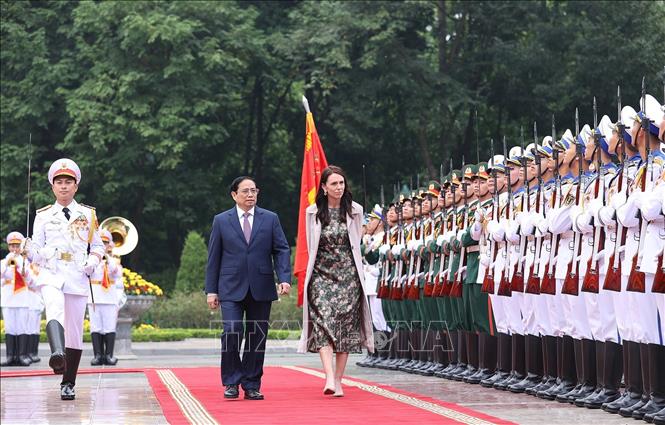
[517,281]
[440,278]
[488,281]
[27,215]
[411,290]
[613,275]
[504,285]
[447,282]
[590,282]
[384,289]
[533,283]
[395,287]
[636,279]
[429,283]
[548,283]
[572,282]
[456,290]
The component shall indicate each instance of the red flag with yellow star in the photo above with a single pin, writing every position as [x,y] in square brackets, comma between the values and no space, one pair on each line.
[314,161]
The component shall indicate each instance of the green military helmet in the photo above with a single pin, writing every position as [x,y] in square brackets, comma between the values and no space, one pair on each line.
[470,171]
[422,193]
[483,171]
[456,177]
[434,188]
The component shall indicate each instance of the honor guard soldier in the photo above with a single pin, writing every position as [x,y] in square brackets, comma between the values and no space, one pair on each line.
[107,289]
[15,301]
[67,248]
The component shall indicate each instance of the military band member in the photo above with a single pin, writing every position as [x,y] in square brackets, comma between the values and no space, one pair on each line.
[107,290]
[67,248]
[15,302]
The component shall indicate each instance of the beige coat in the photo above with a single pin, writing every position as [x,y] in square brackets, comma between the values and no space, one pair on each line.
[313,229]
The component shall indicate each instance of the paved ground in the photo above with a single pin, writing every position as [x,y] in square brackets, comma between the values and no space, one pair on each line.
[127,398]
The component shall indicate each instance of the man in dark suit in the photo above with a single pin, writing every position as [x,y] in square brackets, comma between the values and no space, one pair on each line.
[246,244]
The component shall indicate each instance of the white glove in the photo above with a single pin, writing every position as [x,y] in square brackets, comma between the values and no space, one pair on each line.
[42,255]
[618,200]
[439,240]
[606,216]
[397,249]
[542,225]
[91,264]
[383,249]
[478,215]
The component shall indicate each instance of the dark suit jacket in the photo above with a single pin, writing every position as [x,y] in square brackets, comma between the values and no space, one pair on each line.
[234,266]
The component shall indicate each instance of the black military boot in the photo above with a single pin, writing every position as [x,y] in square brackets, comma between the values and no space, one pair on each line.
[69,376]
[657,418]
[33,348]
[450,338]
[56,339]
[599,363]
[23,359]
[428,354]
[403,349]
[502,370]
[11,356]
[97,349]
[548,345]
[518,352]
[566,370]
[393,356]
[632,377]
[109,346]
[656,382]
[627,412]
[486,359]
[534,366]
[472,355]
[612,371]
[462,357]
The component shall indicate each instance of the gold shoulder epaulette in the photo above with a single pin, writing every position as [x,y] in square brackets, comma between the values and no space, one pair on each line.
[87,206]
[44,208]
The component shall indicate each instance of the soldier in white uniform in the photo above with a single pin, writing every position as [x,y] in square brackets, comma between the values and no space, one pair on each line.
[15,302]
[107,288]
[35,310]
[67,248]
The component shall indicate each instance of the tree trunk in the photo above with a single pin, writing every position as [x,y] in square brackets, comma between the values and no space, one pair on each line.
[258,154]
[250,126]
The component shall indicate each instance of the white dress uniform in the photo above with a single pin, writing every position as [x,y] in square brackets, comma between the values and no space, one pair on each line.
[107,286]
[15,298]
[67,247]
[61,252]
[372,242]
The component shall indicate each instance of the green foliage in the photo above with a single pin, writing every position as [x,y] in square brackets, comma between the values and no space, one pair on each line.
[163,103]
[191,274]
[181,310]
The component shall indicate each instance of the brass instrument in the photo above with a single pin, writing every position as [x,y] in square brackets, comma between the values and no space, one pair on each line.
[11,260]
[124,234]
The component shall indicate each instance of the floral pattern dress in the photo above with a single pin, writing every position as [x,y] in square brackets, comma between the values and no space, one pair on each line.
[334,292]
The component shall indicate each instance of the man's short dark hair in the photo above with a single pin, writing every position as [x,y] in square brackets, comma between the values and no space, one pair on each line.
[236,182]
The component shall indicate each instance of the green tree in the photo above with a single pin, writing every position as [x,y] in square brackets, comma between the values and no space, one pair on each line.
[191,274]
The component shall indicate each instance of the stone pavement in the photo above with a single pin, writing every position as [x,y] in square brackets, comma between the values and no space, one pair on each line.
[128,398]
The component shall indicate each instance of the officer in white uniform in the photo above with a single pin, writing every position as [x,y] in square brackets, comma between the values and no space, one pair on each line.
[15,300]
[67,248]
[107,287]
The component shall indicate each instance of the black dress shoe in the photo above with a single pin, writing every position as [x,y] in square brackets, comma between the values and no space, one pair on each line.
[231,391]
[650,417]
[498,376]
[627,400]
[604,397]
[253,395]
[653,406]
[659,418]
[627,412]
[67,391]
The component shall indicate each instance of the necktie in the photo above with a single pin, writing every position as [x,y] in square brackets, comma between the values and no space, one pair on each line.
[66,212]
[246,227]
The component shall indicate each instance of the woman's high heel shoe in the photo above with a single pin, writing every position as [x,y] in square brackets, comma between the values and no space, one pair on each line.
[328,391]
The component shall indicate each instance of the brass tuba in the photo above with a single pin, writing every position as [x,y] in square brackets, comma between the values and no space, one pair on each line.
[124,234]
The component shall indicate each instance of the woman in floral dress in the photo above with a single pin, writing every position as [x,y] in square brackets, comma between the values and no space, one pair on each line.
[336,315]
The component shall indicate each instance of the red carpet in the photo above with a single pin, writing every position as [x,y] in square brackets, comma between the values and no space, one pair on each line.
[295,397]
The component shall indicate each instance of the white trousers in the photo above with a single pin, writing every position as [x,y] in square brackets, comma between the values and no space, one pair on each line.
[104,318]
[576,318]
[622,312]
[600,312]
[16,320]
[35,322]
[378,319]
[69,311]
[555,309]
[513,307]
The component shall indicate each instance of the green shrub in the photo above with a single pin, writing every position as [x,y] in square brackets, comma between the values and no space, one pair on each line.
[181,310]
[191,274]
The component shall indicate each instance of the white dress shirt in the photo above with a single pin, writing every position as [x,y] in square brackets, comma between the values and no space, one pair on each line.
[241,214]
